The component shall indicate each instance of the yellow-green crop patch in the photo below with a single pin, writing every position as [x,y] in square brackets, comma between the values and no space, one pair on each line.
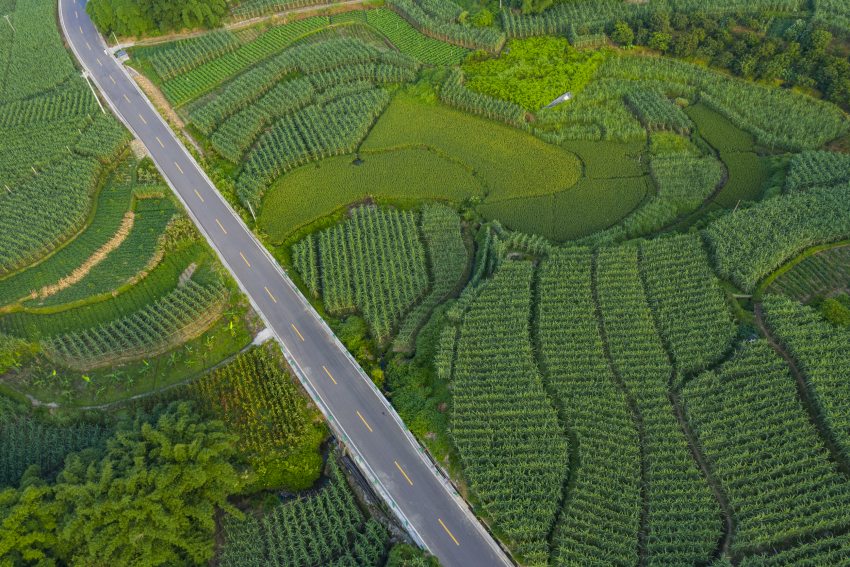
[405,175]
[510,163]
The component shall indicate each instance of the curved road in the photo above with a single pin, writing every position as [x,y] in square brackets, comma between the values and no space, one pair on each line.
[383,448]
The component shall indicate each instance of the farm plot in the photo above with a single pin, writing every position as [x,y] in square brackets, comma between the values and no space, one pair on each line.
[774,468]
[822,274]
[373,263]
[202,79]
[510,163]
[447,258]
[821,352]
[748,244]
[687,301]
[684,182]
[181,56]
[37,60]
[683,519]
[183,314]
[438,19]
[512,449]
[412,42]
[260,402]
[817,169]
[405,176]
[325,528]
[314,133]
[599,520]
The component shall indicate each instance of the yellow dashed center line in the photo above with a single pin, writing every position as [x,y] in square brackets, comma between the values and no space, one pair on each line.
[145,121]
[196,191]
[111,78]
[297,332]
[221,226]
[88,45]
[160,142]
[270,294]
[245,259]
[363,419]
[401,470]
[98,61]
[180,169]
[81,29]
[328,372]
[126,97]
[451,535]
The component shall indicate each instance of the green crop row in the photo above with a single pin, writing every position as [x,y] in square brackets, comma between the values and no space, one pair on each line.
[683,520]
[513,450]
[600,518]
[774,468]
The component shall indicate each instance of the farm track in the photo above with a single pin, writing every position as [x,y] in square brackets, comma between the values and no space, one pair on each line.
[421,495]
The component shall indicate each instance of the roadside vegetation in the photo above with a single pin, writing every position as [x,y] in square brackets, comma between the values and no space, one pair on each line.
[620,322]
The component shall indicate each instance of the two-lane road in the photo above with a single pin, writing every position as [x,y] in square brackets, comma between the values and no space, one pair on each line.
[383,448]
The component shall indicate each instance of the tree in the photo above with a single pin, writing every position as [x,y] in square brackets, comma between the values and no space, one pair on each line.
[660,41]
[148,499]
[151,499]
[141,17]
[28,522]
[623,34]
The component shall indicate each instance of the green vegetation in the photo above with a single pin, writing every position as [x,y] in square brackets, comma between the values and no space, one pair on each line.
[513,450]
[134,17]
[682,522]
[413,43]
[600,516]
[325,528]
[689,306]
[533,72]
[820,350]
[746,413]
[447,258]
[374,263]
[748,244]
[404,555]
[258,400]
[454,93]
[177,458]
[821,274]
[26,441]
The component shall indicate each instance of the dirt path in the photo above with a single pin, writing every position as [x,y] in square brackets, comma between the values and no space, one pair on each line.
[99,256]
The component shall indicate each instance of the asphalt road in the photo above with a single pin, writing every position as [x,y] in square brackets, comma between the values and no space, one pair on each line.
[383,448]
